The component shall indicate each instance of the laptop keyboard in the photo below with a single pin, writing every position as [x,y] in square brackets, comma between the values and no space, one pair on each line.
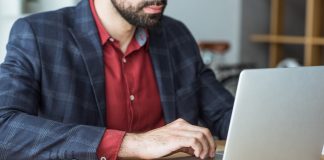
[219,155]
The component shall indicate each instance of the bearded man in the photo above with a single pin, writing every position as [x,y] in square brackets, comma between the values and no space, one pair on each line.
[107,79]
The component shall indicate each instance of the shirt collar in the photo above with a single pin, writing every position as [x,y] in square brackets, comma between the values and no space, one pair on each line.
[141,34]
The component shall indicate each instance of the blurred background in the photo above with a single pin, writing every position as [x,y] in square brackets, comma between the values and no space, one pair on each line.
[232,34]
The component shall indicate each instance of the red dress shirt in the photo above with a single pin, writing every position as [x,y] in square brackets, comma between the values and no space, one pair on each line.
[132,97]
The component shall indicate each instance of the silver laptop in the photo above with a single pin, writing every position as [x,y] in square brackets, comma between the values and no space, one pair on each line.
[278,115]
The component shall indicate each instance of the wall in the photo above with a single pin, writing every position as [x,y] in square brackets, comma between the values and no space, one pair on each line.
[253,23]
[10,11]
[5,25]
[211,20]
[208,20]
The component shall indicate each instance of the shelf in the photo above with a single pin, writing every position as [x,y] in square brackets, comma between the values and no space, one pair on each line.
[312,40]
[287,39]
[318,41]
[278,39]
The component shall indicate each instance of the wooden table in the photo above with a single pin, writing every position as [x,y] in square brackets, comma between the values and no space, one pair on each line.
[220,147]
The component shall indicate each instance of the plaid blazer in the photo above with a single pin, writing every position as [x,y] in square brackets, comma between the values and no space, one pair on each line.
[52,97]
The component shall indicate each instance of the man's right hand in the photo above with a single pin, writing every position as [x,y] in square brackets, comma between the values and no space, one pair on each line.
[176,136]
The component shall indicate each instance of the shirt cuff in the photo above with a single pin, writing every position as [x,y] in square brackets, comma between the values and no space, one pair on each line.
[110,144]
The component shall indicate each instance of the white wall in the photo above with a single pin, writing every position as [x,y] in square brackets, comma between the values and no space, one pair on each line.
[207,20]
[211,20]
[5,25]
[10,11]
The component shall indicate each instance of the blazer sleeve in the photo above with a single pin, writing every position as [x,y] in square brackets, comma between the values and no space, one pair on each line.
[215,102]
[24,135]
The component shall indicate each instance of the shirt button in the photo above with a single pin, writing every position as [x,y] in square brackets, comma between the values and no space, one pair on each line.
[103,158]
[132,98]
[124,60]
[111,40]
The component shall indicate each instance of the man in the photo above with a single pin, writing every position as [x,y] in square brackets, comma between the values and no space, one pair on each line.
[107,79]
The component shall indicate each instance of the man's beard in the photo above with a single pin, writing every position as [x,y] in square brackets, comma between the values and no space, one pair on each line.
[137,17]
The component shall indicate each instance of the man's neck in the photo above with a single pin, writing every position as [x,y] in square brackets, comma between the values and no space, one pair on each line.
[114,23]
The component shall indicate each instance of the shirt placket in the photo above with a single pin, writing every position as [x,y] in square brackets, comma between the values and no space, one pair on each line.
[127,74]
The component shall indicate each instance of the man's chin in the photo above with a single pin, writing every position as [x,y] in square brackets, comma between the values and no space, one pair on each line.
[152,24]
[151,21]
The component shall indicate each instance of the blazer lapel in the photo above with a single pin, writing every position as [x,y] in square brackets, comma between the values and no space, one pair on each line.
[86,36]
[162,65]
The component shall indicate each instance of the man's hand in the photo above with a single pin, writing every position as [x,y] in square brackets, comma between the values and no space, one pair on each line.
[176,136]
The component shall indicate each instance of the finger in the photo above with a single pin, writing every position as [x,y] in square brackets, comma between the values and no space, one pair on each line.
[188,150]
[200,137]
[192,143]
[180,123]
[206,132]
